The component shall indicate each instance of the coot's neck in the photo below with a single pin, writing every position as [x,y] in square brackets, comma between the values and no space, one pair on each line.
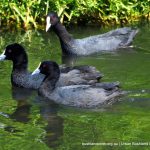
[20,63]
[49,84]
[64,37]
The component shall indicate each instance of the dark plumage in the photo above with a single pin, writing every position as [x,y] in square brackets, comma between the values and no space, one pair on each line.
[115,39]
[21,77]
[86,96]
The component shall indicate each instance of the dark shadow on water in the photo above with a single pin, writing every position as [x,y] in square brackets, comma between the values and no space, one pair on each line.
[48,112]
[69,60]
[54,128]
[22,112]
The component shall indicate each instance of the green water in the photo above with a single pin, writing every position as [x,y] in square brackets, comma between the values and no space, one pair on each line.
[28,121]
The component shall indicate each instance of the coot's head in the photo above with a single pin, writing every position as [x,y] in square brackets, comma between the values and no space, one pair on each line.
[51,20]
[14,52]
[48,68]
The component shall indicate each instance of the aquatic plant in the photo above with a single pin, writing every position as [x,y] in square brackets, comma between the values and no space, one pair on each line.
[26,13]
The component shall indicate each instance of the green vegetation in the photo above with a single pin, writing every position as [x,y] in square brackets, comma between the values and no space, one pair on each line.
[26,13]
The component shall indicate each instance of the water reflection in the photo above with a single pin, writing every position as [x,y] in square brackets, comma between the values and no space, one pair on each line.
[131,68]
[54,128]
[22,112]
[69,60]
[48,112]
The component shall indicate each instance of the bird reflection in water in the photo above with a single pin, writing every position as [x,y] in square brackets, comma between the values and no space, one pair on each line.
[26,98]
[22,112]
[69,60]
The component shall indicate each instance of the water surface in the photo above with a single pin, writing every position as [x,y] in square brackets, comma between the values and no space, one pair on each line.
[28,121]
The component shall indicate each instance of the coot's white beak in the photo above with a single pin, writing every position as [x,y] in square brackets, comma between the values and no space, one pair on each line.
[36,71]
[2,56]
[48,23]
